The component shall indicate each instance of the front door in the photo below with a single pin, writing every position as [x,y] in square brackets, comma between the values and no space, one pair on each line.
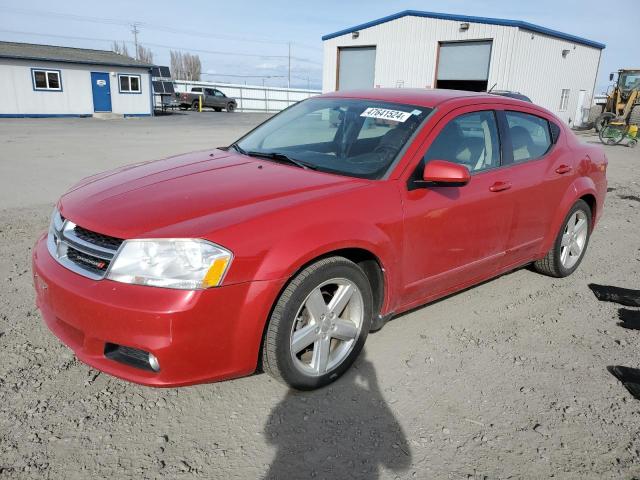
[101,91]
[456,235]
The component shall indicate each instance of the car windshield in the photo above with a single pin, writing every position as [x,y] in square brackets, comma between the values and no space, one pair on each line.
[354,137]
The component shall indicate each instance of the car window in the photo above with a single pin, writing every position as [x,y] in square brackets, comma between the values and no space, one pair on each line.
[196,89]
[470,140]
[209,91]
[530,136]
[218,93]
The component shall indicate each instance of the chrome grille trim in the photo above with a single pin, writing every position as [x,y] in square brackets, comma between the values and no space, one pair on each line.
[62,237]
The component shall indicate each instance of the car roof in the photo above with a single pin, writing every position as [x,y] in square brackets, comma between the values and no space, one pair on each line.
[423,97]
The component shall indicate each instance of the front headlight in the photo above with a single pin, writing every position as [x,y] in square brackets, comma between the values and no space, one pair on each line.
[188,264]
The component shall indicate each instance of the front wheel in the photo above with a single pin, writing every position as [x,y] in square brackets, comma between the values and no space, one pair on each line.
[570,245]
[231,107]
[319,324]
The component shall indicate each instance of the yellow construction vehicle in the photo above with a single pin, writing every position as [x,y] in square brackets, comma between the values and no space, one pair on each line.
[623,102]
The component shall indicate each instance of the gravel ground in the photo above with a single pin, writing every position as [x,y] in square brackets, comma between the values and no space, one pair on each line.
[505,380]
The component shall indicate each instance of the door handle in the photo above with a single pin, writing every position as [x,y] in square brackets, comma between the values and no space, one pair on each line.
[562,169]
[500,186]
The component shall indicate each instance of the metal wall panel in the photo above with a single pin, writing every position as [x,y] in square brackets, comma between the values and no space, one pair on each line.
[407,50]
[541,71]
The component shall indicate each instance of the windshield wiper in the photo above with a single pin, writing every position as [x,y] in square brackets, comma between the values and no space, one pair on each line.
[281,157]
[237,148]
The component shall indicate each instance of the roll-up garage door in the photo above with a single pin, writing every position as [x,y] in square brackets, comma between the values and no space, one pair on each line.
[356,67]
[464,65]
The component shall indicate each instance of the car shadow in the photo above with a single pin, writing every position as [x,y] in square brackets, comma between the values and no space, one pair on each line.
[629,319]
[622,296]
[629,377]
[345,430]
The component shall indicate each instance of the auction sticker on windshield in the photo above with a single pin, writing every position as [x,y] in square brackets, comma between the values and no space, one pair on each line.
[386,114]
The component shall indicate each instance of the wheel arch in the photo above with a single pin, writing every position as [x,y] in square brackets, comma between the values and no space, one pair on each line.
[363,257]
[582,188]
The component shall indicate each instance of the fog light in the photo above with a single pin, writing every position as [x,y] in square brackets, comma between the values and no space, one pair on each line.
[153,363]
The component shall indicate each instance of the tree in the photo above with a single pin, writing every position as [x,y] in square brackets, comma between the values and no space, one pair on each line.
[185,66]
[120,48]
[145,55]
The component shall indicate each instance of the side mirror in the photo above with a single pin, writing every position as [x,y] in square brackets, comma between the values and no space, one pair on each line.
[611,77]
[441,172]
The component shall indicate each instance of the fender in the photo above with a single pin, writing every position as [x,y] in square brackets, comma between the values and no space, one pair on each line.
[290,254]
[580,187]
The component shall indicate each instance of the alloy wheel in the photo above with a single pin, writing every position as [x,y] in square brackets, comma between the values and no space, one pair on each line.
[327,325]
[574,239]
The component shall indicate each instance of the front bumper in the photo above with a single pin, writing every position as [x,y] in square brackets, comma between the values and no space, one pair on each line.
[197,336]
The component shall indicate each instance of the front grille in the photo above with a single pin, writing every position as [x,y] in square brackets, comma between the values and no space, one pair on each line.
[104,241]
[94,264]
[83,251]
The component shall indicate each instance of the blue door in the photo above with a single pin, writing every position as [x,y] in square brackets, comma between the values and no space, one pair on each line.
[101,91]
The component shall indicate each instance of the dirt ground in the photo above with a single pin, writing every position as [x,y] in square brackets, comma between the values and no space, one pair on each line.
[505,380]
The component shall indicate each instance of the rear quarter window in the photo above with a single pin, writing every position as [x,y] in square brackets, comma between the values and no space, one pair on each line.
[531,136]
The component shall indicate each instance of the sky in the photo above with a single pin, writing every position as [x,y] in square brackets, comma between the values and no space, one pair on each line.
[247,41]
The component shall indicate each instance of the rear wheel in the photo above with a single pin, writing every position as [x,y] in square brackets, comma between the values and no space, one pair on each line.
[319,324]
[570,245]
[195,105]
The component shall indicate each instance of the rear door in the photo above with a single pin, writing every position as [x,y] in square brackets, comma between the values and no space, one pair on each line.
[456,235]
[540,173]
[210,98]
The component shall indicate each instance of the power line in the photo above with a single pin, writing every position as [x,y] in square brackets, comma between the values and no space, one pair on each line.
[151,26]
[211,52]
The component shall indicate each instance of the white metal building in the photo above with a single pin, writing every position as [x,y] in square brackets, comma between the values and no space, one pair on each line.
[52,81]
[414,49]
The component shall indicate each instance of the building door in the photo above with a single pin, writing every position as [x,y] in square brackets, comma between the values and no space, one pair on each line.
[356,67]
[578,120]
[464,65]
[101,91]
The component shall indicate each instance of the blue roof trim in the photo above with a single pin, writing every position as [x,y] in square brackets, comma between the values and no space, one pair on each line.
[467,18]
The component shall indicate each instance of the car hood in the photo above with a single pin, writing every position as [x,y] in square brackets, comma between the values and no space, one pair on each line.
[192,195]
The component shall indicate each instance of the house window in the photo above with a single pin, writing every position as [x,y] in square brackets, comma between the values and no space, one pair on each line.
[47,80]
[129,83]
[564,99]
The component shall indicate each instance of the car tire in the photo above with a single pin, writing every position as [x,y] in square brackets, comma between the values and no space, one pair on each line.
[570,245]
[231,107]
[319,324]
[195,105]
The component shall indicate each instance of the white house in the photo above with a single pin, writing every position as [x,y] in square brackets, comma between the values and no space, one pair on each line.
[52,81]
[414,49]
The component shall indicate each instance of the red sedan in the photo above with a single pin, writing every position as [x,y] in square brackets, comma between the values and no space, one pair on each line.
[283,250]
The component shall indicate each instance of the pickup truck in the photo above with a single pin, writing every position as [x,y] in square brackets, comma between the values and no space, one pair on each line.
[211,97]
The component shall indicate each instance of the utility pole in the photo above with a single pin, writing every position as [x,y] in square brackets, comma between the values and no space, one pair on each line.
[135,32]
[289,76]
